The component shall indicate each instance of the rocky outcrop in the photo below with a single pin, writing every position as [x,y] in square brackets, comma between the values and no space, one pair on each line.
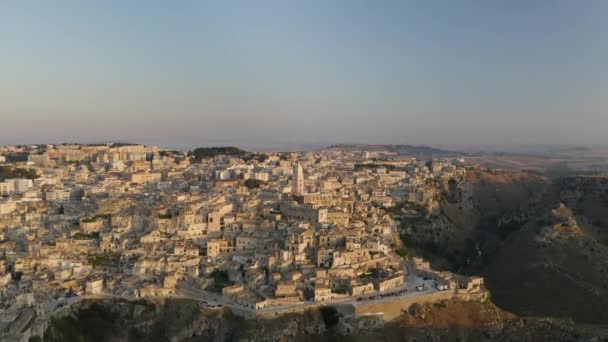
[177,321]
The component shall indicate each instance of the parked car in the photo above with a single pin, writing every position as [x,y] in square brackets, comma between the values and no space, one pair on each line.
[441,287]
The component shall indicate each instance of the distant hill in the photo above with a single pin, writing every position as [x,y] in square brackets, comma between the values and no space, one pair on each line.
[420,152]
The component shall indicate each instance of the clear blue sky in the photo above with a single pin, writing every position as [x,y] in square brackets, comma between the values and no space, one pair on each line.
[279,73]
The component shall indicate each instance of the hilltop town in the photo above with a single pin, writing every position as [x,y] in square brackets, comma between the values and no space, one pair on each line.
[263,234]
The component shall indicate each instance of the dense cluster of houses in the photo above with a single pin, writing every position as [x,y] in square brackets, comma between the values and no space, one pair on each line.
[276,230]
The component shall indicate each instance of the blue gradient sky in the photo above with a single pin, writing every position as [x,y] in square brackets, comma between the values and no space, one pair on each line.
[268,74]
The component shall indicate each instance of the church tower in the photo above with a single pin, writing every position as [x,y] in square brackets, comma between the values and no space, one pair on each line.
[297,186]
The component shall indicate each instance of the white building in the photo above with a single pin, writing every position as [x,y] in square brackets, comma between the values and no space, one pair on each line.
[7,188]
[7,207]
[94,286]
[16,185]
[23,185]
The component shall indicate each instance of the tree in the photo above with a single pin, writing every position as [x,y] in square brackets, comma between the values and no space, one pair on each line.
[7,173]
[253,183]
[210,152]
[331,317]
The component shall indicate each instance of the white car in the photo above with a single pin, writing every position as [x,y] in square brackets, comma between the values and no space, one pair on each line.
[441,287]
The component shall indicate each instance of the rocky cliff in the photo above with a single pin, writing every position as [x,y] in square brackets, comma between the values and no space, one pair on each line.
[540,243]
[184,321]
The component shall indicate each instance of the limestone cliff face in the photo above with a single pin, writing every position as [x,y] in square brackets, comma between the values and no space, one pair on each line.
[471,217]
[532,238]
[175,320]
[179,321]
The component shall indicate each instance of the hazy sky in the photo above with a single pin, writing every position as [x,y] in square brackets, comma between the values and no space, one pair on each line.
[298,73]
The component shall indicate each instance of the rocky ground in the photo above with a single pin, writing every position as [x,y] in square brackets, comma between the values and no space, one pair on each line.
[184,321]
[480,322]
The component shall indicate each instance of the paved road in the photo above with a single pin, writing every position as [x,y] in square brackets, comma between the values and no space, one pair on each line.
[412,283]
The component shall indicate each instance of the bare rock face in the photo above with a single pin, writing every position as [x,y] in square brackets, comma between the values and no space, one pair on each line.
[533,239]
[460,321]
[177,321]
[562,225]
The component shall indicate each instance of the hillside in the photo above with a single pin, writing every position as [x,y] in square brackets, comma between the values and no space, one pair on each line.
[558,265]
[471,219]
[180,320]
[455,321]
[176,320]
[418,151]
[540,244]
